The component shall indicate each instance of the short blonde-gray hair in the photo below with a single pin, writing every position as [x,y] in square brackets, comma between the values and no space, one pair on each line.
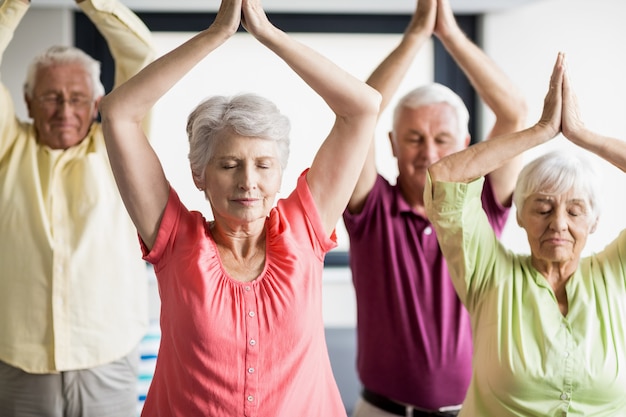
[558,172]
[246,114]
[59,55]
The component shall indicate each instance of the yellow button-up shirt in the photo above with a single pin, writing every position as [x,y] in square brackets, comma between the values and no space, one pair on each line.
[73,286]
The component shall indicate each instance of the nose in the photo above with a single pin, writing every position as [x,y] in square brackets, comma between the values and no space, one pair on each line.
[64,106]
[248,178]
[430,150]
[558,221]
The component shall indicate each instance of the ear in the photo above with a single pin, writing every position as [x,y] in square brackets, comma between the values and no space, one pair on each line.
[392,143]
[198,182]
[468,139]
[594,226]
[29,105]
[96,107]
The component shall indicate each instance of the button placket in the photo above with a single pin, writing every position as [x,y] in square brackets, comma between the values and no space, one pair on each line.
[61,288]
[568,364]
[251,319]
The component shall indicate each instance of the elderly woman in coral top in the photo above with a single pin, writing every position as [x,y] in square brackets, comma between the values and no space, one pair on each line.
[242,329]
[549,327]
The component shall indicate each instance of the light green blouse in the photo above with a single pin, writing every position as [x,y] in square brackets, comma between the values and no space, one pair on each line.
[530,360]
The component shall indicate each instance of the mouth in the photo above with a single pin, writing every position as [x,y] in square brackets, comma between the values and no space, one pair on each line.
[422,166]
[246,201]
[62,126]
[555,241]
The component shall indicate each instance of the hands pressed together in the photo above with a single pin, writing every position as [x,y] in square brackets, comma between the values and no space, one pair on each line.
[560,109]
[248,13]
[434,17]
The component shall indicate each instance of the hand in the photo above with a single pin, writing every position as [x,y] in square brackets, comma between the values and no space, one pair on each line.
[228,17]
[446,23]
[424,17]
[572,124]
[553,102]
[254,19]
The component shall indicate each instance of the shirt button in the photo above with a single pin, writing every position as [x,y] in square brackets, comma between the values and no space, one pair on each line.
[428,230]
[250,370]
[566,354]
[252,342]
[247,288]
[250,398]
[564,396]
[251,314]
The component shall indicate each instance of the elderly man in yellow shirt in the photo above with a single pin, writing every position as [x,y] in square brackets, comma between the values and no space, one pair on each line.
[73,286]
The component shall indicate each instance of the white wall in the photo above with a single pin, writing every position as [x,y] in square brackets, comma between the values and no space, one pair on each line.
[523,41]
[298,6]
[40,28]
[244,65]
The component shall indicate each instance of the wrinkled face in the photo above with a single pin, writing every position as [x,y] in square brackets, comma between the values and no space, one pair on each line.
[62,106]
[242,179]
[557,225]
[421,137]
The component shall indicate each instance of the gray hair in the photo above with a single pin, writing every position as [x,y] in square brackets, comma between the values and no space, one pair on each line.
[56,55]
[435,93]
[558,172]
[248,115]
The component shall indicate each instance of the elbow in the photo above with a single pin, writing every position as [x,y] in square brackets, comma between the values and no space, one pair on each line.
[517,113]
[370,106]
[375,101]
[363,110]
[106,108]
[434,171]
[367,104]
[113,108]
[522,112]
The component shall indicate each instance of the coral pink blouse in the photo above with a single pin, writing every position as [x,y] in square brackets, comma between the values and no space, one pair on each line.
[233,348]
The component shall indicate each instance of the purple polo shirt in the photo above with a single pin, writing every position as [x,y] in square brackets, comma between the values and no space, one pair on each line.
[414,335]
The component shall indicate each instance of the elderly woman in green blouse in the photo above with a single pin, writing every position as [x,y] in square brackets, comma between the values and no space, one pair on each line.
[549,328]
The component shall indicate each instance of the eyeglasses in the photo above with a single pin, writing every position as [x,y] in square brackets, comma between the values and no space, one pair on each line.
[52,102]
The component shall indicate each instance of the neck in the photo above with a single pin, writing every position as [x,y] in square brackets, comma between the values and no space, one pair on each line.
[242,243]
[414,197]
[556,273]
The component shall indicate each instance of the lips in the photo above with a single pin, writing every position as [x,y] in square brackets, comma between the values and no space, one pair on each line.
[557,241]
[246,201]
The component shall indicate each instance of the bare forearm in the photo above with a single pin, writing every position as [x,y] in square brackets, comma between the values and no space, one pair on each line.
[484,157]
[387,77]
[612,150]
[344,94]
[133,99]
[492,85]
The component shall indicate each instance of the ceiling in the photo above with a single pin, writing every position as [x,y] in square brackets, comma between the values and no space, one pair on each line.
[315,6]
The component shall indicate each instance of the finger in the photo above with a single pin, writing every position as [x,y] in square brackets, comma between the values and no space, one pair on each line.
[556,79]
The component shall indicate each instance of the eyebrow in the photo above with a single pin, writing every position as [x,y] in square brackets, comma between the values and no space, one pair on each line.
[547,199]
[238,158]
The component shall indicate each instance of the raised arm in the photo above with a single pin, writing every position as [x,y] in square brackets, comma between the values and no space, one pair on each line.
[137,170]
[127,37]
[493,87]
[386,78]
[339,160]
[611,149]
[484,157]
[11,14]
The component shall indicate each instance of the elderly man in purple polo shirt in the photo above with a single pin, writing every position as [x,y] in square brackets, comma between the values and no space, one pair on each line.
[414,336]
